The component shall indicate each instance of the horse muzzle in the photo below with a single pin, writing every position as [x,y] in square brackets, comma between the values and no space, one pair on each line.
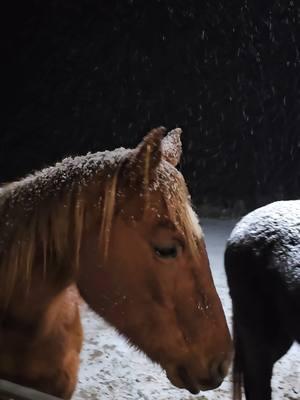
[183,378]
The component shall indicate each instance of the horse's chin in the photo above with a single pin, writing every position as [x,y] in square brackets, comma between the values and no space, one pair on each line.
[176,380]
[180,378]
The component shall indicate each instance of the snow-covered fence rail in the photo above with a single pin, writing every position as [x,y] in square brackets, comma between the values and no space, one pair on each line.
[12,391]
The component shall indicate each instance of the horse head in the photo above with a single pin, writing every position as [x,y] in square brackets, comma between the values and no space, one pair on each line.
[151,278]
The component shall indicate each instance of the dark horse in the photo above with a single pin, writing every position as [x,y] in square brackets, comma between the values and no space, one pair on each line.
[262,262]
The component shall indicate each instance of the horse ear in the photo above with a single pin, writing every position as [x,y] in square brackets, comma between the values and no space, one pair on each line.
[172,147]
[148,152]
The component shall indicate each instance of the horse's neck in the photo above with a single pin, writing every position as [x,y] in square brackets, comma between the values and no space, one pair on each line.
[36,340]
[42,218]
[36,313]
[42,243]
[28,305]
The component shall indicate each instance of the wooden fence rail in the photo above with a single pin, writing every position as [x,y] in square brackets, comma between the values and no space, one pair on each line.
[12,391]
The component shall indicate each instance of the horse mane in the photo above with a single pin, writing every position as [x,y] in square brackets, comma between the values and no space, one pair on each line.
[43,215]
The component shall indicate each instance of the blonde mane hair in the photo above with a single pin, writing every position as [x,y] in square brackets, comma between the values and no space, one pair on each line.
[42,217]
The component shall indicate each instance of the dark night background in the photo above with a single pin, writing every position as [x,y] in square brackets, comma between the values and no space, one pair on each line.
[80,75]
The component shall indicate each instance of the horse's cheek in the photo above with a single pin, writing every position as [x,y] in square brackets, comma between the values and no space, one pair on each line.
[93,284]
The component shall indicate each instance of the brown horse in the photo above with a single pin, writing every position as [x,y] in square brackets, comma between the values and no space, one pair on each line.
[118,226]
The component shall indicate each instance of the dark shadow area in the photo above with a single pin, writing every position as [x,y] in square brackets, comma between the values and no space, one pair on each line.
[90,75]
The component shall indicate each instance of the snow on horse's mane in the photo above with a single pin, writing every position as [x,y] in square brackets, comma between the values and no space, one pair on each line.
[82,169]
[62,174]
[25,216]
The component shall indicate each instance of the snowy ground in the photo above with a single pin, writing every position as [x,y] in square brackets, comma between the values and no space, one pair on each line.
[112,370]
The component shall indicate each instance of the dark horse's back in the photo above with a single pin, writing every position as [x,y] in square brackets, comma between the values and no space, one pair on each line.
[262,262]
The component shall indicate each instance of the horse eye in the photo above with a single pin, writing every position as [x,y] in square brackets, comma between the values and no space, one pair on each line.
[167,251]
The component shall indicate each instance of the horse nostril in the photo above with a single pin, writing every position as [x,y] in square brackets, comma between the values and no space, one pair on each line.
[225,367]
[219,370]
[187,380]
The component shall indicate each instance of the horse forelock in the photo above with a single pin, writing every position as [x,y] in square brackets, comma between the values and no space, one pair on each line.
[177,200]
[168,182]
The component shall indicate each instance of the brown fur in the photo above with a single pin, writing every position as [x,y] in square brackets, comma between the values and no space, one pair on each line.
[93,227]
